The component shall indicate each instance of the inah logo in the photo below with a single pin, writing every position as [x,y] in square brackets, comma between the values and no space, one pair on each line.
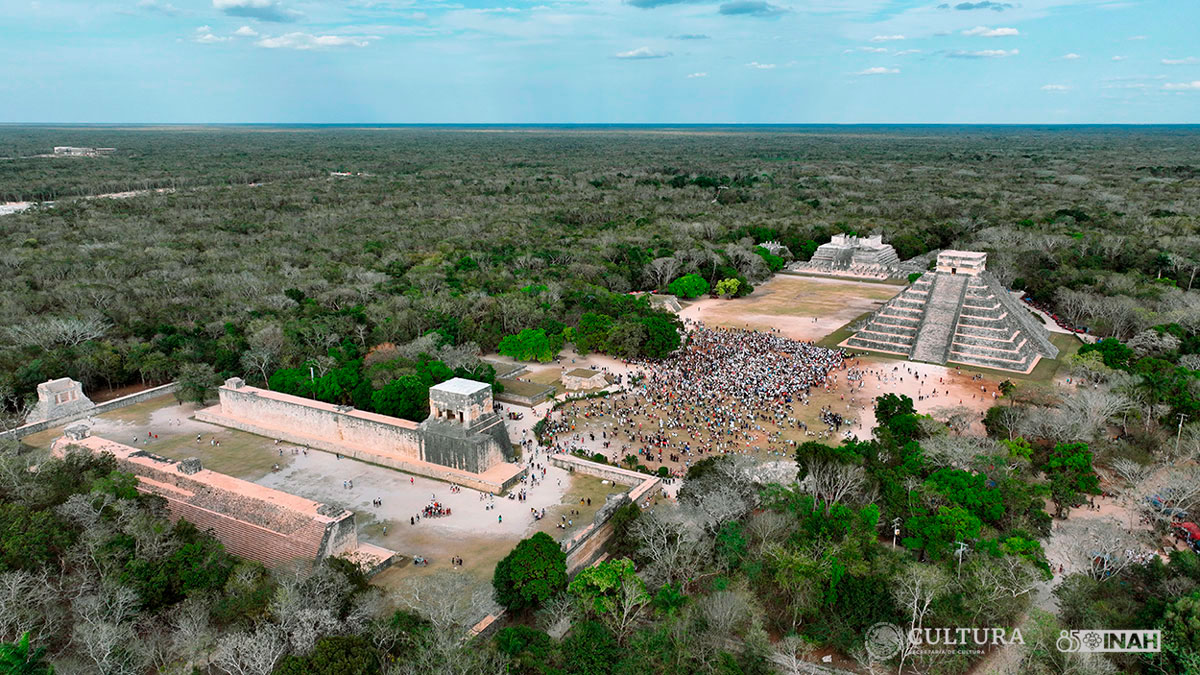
[1100,640]
[883,640]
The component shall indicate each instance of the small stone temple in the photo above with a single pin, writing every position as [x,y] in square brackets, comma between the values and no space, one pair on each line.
[59,398]
[959,313]
[584,378]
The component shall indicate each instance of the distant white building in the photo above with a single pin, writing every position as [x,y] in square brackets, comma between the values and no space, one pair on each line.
[72,151]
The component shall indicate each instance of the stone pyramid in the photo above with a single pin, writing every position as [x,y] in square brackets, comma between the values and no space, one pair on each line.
[959,313]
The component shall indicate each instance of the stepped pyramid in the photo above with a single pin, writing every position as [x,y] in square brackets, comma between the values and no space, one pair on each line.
[959,313]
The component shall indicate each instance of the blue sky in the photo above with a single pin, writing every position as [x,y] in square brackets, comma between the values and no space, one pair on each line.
[604,61]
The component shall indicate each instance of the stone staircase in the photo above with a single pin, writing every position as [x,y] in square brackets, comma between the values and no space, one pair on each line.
[934,337]
[960,318]
[893,327]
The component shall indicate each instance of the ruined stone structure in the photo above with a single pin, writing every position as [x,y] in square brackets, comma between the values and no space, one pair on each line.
[59,399]
[854,256]
[464,440]
[583,378]
[958,313]
[251,521]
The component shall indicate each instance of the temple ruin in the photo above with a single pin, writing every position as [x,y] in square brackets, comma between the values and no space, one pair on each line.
[57,399]
[464,441]
[251,521]
[853,256]
[958,313]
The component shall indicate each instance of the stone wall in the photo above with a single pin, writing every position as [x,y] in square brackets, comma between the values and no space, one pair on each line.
[475,457]
[37,427]
[251,521]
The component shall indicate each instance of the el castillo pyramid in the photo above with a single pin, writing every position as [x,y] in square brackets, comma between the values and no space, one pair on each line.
[959,313]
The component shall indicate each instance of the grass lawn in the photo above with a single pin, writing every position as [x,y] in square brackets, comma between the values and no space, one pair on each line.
[519,388]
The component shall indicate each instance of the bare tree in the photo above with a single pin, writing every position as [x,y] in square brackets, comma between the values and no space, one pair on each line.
[915,590]
[29,603]
[674,546]
[50,332]
[252,652]
[1101,549]
[451,602]
[831,482]
[662,270]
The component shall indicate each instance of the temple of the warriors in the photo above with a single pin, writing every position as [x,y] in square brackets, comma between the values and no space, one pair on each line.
[959,313]
[464,441]
[849,255]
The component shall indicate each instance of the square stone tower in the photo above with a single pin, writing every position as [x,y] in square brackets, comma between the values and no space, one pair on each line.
[460,400]
[59,398]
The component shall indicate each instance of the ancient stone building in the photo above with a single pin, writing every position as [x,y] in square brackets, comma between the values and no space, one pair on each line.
[250,520]
[59,398]
[463,441]
[584,378]
[959,313]
[865,256]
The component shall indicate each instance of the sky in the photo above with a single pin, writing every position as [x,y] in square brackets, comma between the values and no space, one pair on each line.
[600,61]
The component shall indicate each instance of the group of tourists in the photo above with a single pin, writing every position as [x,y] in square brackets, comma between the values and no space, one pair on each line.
[728,391]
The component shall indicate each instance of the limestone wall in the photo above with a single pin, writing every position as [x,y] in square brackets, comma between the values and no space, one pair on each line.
[272,410]
[251,521]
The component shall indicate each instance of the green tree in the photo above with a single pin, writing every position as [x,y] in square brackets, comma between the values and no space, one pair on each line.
[531,344]
[195,380]
[533,572]
[31,539]
[688,286]
[1069,468]
[1115,354]
[334,655]
[727,288]
[406,397]
[889,406]
[662,335]
[591,334]
[600,587]
[625,339]
[935,534]
[20,659]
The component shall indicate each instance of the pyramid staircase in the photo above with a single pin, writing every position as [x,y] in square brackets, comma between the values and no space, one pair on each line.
[959,318]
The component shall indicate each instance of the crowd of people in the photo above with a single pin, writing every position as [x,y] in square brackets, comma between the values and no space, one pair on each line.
[728,391]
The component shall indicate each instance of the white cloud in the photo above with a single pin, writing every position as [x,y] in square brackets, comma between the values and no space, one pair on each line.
[1119,58]
[886,38]
[1191,60]
[1183,86]
[1055,87]
[263,10]
[204,36]
[642,53]
[1072,56]
[906,52]
[982,54]
[308,41]
[246,31]
[696,75]
[872,50]
[1138,37]
[878,70]
[760,66]
[984,31]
